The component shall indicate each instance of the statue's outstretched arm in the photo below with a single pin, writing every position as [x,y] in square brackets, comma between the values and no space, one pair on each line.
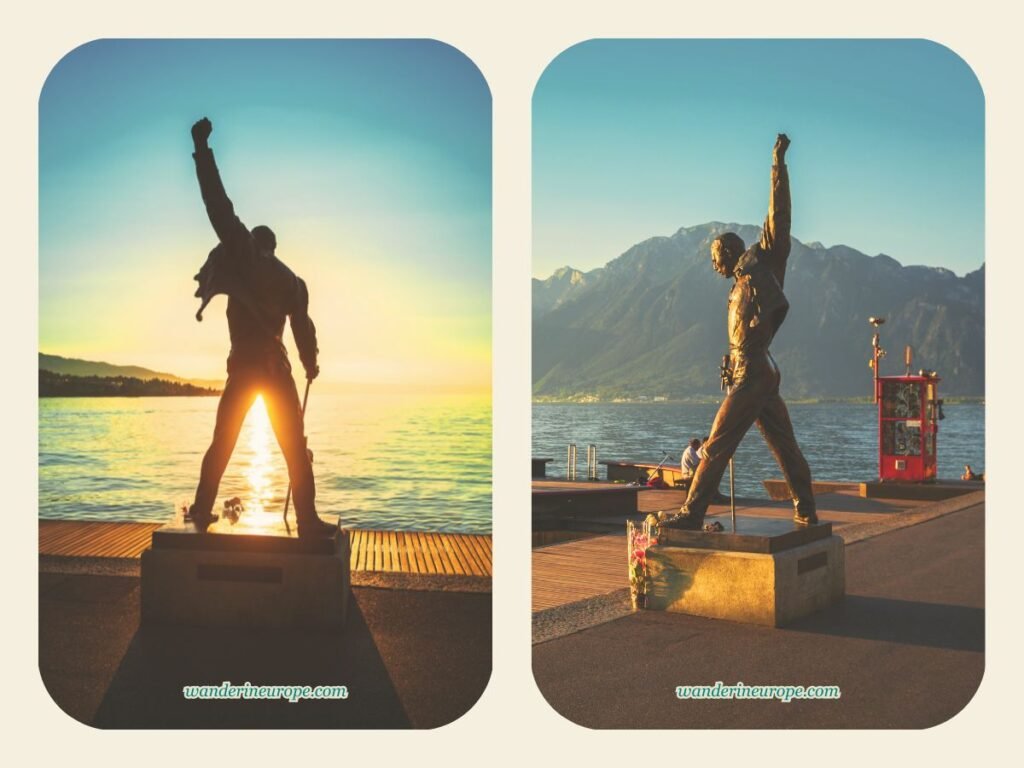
[218,206]
[775,233]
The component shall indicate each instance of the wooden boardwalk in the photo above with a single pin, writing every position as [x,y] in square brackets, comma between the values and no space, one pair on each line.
[576,570]
[414,552]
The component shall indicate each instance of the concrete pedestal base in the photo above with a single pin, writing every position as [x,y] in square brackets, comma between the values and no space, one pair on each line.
[245,580]
[767,587]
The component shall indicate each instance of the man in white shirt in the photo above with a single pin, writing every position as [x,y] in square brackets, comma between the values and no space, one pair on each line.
[691,458]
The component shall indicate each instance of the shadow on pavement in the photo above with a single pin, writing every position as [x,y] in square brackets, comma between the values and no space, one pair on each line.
[146,691]
[933,625]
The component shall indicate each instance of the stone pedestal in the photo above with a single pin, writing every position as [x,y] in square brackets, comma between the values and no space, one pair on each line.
[250,575]
[771,572]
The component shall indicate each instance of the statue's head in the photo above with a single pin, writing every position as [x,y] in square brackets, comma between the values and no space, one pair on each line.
[266,242]
[726,250]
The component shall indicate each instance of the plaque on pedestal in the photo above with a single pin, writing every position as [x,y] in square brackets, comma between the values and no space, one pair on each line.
[252,574]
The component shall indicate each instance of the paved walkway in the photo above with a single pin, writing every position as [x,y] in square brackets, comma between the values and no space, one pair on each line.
[414,659]
[906,646]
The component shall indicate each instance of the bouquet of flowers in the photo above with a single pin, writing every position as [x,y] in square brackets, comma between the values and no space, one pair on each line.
[638,539]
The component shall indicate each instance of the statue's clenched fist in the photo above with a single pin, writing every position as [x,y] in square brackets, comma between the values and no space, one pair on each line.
[201,131]
[781,145]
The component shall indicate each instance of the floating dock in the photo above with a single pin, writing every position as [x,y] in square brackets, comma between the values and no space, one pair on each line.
[557,500]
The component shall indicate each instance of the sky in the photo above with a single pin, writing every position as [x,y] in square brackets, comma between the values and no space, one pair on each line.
[637,138]
[370,160]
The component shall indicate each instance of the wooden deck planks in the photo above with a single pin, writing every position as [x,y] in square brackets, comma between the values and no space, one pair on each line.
[429,556]
[576,570]
[468,551]
[385,551]
[417,552]
[462,553]
[480,555]
[412,552]
[94,539]
[446,550]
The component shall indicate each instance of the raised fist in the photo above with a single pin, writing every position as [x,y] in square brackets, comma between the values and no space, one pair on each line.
[201,131]
[781,145]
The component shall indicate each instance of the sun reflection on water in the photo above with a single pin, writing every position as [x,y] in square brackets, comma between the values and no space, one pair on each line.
[260,473]
[123,458]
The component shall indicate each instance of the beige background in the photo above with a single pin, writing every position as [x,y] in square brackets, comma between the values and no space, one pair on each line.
[511,45]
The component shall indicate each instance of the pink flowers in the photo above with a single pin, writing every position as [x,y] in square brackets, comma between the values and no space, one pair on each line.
[638,540]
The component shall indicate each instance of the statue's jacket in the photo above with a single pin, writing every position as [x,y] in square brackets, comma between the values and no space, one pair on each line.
[262,291]
[757,303]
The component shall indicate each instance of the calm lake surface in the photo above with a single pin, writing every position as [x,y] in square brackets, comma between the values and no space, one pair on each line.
[384,462]
[840,441]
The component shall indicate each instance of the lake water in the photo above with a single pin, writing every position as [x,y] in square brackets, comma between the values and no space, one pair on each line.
[384,462]
[840,441]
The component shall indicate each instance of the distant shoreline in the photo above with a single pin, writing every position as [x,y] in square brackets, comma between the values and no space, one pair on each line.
[50,396]
[65,385]
[714,400]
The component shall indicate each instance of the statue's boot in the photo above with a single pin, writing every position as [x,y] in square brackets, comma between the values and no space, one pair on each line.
[804,513]
[311,526]
[201,520]
[683,520]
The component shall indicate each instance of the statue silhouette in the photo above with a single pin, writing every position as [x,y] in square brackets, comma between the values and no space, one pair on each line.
[261,293]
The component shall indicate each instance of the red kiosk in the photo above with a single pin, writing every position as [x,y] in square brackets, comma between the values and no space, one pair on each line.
[908,414]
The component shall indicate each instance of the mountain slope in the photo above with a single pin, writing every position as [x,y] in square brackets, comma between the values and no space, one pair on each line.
[652,321]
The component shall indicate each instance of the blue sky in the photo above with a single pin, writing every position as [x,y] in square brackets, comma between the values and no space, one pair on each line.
[371,160]
[637,138]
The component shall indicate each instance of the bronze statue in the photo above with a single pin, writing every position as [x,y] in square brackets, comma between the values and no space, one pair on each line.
[261,292]
[757,308]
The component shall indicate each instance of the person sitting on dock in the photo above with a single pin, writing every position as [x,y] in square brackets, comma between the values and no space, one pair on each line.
[970,474]
[262,292]
[691,460]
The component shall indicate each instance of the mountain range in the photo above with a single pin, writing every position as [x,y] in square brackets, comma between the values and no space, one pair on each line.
[651,323]
[70,366]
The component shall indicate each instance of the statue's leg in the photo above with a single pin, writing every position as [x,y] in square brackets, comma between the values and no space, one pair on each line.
[237,398]
[777,429]
[735,417]
[285,412]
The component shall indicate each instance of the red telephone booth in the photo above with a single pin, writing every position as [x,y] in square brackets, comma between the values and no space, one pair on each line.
[908,415]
